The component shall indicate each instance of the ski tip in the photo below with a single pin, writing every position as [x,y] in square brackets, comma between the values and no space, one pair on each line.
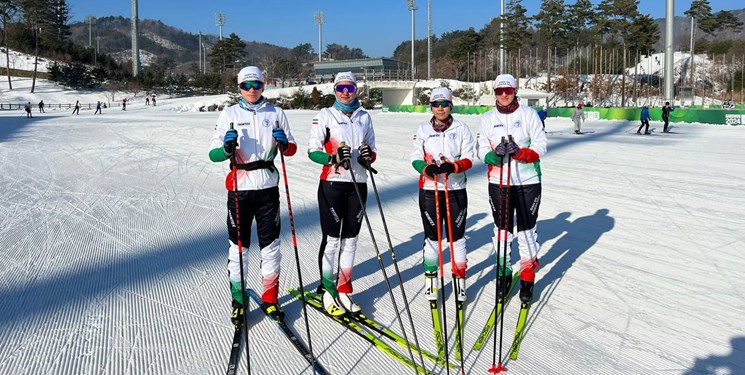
[497,369]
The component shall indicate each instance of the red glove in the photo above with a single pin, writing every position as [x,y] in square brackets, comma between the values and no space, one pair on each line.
[526,155]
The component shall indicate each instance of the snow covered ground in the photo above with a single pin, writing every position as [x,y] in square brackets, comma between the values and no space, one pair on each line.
[113,248]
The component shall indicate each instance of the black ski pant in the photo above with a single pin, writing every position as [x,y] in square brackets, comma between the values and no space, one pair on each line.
[340,213]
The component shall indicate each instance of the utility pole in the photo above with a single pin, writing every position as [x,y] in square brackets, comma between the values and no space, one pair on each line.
[319,22]
[220,21]
[135,40]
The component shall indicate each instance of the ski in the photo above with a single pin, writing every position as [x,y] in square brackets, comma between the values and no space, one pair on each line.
[290,334]
[489,326]
[515,348]
[381,329]
[350,324]
[437,328]
[235,351]
[458,329]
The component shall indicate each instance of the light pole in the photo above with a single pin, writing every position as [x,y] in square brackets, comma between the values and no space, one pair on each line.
[501,37]
[135,40]
[411,4]
[669,16]
[90,20]
[429,39]
[319,22]
[220,21]
[199,47]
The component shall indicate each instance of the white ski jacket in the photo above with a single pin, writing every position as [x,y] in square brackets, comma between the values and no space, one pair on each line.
[525,127]
[255,141]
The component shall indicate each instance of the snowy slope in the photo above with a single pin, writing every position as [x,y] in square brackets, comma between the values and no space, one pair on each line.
[113,249]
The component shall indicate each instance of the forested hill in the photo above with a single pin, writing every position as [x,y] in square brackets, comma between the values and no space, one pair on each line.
[113,35]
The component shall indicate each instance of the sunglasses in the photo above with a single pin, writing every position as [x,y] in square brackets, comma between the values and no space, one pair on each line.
[248,85]
[442,104]
[499,91]
[346,88]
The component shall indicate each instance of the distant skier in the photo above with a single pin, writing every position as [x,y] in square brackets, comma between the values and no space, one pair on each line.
[27,108]
[260,128]
[98,108]
[666,109]
[542,115]
[153,97]
[76,110]
[443,137]
[41,107]
[147,99]
[527,147]
[578,116]
[342,139]
[124,104]
[645,121]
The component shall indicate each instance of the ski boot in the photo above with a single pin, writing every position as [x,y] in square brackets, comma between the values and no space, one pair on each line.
[504,282]
[460,288]
[237,315]
[348,304]
[320,289]
[332,306]
[505,278]
[527,280]
[430,286]
[273,310]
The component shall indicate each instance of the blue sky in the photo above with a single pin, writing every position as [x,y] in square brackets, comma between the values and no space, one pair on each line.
[376,27]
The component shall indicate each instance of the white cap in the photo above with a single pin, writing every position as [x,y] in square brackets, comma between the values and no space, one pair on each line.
[250,73]
[544,107]
[439,94]
[505,80]
[345,76]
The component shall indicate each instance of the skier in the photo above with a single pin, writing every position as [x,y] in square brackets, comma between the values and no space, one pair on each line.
[542,115]
[153,97]
[666,109]
[260,128]
[98,108]
[27,108]
[76,110]
[524,150]
[41,107]
[147,99]
[342,139]
[645,121]
[443,146]
[578,116]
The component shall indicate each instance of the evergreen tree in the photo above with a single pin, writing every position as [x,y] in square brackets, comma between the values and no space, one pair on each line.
[516,29]
[618,17]
[551,25]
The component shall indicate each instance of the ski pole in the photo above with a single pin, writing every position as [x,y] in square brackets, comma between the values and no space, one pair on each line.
[347,166]
[240,252]
[454,267]
[395,264]
[438,219]
[294,245]
[501,219]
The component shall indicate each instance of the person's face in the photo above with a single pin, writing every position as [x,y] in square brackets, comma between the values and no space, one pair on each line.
[345,91]
[505,95]
[441,110]
[251,91]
